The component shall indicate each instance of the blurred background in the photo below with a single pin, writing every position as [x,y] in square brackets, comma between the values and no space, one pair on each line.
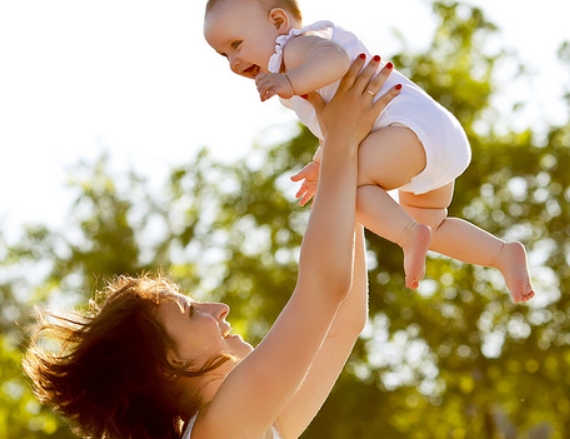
[128,145]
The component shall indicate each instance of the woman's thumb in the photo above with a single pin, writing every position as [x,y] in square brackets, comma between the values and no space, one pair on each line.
[316,100]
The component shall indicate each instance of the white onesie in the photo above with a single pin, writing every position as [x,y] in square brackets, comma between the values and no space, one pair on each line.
[446,146]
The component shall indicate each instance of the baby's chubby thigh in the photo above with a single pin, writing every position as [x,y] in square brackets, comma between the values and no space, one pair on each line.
[390,157]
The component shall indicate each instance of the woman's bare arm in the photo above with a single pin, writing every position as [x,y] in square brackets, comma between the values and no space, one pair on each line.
[259,389]
[333,354]
[339,342]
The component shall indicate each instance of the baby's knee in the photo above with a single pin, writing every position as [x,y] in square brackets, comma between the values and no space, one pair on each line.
[430,217]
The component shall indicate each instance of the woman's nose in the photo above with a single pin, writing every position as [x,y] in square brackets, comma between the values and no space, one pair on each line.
[221,310]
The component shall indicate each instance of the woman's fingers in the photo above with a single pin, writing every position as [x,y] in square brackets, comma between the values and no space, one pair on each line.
[316,101]
[378,81]
[349,78]
[357,91]
[364,78]
[383,100]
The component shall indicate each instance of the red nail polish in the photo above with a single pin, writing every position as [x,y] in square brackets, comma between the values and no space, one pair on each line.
[398,87]
[389,65]
[376,58]
[362,56]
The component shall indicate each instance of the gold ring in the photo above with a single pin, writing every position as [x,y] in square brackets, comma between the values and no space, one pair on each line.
[370,92]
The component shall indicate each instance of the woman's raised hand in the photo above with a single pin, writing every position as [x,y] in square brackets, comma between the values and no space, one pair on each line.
[356,92]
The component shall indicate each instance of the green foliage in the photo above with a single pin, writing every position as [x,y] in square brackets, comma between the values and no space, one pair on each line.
[456,359]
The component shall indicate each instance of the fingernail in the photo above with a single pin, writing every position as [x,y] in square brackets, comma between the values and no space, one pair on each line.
[376,58]
[398,87]
[306,97]
[362,56]
[389,65]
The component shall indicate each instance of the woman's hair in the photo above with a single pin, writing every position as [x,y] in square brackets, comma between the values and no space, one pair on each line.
[110,374]
[291,6]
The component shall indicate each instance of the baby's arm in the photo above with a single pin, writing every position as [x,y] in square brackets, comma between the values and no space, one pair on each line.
[310,62]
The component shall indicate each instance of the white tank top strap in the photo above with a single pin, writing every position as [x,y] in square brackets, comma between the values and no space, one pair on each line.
[272,434]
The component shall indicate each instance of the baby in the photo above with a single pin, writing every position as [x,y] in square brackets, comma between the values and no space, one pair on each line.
[416,145]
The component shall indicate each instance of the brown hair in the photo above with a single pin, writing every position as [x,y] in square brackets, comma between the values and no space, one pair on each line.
[111,377]
[291,6]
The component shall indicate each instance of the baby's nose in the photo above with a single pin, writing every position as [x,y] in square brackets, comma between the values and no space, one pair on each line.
[234,64]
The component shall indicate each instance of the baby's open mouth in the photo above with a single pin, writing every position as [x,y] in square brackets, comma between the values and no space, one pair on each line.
[252,71]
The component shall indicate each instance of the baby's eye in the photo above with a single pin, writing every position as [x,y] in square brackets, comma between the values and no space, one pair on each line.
[236,44]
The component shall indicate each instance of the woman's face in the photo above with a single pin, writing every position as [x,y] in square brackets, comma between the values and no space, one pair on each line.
[200,330]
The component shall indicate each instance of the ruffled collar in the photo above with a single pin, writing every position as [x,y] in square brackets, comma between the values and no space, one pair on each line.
[276,60]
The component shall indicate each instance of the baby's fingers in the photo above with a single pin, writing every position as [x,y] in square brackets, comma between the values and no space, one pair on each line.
[304,195]
[260,79]
[298,176]
[302,191]
[306,198]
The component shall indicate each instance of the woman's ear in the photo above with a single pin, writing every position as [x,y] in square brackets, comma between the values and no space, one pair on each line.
[280,20]
[173,358]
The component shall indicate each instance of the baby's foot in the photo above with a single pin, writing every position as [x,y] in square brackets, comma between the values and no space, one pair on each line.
[512,264]
[415,255]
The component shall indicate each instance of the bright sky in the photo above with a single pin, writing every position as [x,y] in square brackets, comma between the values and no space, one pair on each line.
[135,78]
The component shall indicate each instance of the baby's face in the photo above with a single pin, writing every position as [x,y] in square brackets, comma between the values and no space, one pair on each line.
[244,32]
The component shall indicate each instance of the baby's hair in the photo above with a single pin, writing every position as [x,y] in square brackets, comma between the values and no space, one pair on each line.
[291,6]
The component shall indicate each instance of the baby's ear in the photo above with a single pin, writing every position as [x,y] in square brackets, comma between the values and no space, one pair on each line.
[280,19]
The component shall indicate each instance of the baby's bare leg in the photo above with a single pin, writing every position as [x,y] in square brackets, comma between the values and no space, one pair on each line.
[388,159]
[466,242]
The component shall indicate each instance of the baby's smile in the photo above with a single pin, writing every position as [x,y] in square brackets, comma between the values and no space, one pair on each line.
[252,71]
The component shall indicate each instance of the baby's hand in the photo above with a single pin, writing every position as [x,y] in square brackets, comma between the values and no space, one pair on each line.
[271,84]
[310,175]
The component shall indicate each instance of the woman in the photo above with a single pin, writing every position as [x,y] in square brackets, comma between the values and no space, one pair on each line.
[154,363]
